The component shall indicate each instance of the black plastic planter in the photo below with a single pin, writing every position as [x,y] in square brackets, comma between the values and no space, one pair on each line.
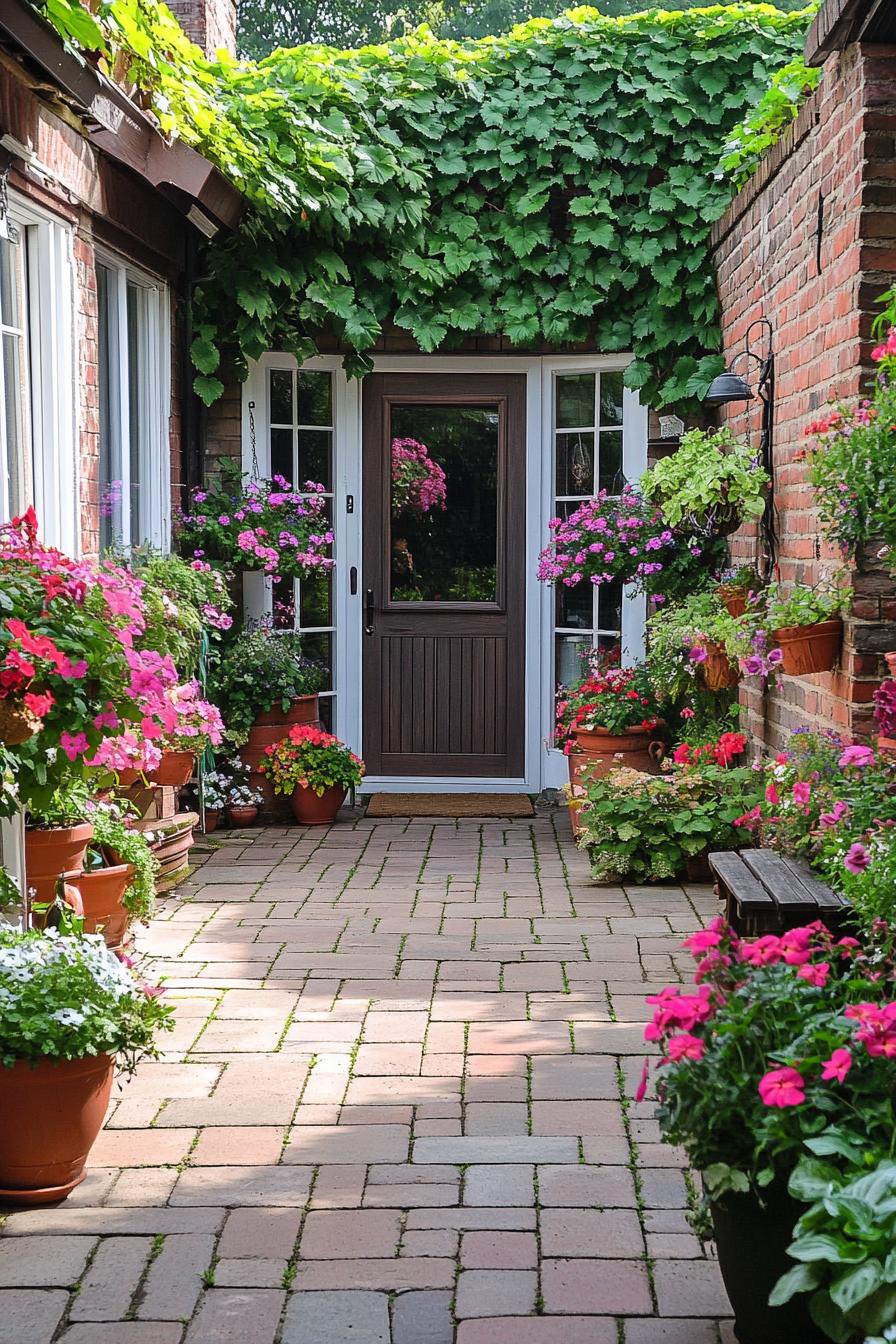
[752,1240]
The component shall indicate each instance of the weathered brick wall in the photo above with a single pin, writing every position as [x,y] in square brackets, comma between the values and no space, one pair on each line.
[810,242]
[210,23]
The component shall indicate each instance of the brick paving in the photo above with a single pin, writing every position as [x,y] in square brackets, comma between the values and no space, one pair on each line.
[397,1109]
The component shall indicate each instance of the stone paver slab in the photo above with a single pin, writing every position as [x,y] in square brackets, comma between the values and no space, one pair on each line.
[338,1318]
[229,1316]
[30,1316]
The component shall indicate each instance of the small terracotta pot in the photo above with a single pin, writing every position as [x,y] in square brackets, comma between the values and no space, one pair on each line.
[891,662]
[174,769]
[242,816]
[809,648]
[51,852]
[718,671]
[212,816]
[128,778]
[887,746]
[102,891]
[311,810]
[52,1112]
[734,601]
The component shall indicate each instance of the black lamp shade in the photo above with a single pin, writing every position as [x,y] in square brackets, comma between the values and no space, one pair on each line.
[726,387]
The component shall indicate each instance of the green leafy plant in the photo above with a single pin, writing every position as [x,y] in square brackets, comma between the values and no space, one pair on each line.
[845,1246]
[552,184]
[710,484]
[643,828]
[614,698]
[181,598]
[121,843]
[261,668]
[310,758]
[802,605]
[68,997]
[788,89]
[680,635]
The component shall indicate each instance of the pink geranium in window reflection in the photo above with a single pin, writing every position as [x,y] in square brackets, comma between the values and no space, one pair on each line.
[418,483]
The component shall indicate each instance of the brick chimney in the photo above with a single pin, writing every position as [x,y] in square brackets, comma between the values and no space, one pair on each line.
[210,23]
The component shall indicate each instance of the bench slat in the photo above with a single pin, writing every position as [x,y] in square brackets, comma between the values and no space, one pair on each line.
[825,897]
[777,878]
[736,878]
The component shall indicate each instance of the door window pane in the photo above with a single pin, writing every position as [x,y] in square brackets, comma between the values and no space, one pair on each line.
[138,418]
[610,462]
[444,503]
[111,474]
[314,457]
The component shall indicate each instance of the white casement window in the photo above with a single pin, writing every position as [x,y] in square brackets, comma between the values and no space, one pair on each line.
[134,378]
[38,436]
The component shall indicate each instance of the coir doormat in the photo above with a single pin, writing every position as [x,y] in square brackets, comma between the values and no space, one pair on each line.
[450,805]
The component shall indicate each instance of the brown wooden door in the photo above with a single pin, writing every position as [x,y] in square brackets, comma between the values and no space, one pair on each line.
[444,574]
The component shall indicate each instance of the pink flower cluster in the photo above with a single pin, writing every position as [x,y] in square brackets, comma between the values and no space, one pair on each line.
[267,526]
[419,484]
[606,538]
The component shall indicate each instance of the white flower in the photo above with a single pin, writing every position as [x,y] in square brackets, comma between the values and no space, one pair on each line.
[68,1017]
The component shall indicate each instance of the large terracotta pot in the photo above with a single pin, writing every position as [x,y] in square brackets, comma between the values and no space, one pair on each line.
[809,648]
[52,1112]
[603,751]
[311,810]
[51,852]
[752,1240]
[269,727]
[719,673]
[174,769]
[102,891]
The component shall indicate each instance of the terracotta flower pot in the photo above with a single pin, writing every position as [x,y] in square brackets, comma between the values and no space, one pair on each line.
[603,751]
[17,722]
[311,810]
[51,852]
[718,671]
[212,816]
[271,726]
[127,778]
[52,1112]
[809,648]
[102,891]
[891,662]
[242,816]
[174,769]
[734,601]
[887,746]
[304,709]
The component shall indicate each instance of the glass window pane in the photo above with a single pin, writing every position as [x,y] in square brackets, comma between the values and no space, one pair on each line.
[111,474]
[444,536]
[12,283]
[283,603]
[315,398]
[281,454]
[315,452]
[138,416]
[575,464]
[575,400]
[611,398]
[609,606]
[315,600]
[319,648]
[326,705]
[575,606]
[15,403]
[281,397]
[569,650]
[609,467]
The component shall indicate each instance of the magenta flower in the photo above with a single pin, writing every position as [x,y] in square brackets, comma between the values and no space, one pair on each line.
[782,1087]
[685,1046]
[856,755]
[802,792]
[837,1067]
[857,858]
[836,814]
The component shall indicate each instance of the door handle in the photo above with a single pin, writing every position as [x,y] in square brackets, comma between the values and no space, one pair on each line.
[368,612]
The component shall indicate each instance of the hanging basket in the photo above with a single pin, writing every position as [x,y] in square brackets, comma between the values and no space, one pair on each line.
[17,723]
[719,673]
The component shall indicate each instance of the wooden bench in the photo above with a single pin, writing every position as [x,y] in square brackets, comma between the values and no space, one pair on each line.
[765,892]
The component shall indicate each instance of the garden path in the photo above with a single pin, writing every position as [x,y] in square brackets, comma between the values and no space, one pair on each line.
[396,1109]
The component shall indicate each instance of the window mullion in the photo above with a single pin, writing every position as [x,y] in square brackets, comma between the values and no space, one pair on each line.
[123,465]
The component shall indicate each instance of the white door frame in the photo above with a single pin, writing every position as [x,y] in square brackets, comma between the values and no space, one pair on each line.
[544,766]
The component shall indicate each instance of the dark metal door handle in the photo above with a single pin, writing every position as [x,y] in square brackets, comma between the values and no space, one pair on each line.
[368,612]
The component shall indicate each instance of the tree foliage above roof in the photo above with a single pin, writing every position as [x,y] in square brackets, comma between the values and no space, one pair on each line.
[552,185]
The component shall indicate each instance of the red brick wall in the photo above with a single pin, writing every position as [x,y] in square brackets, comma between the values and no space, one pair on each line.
[818,287]
[210,23]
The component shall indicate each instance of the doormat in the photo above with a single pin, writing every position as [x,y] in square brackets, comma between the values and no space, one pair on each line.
[450,805]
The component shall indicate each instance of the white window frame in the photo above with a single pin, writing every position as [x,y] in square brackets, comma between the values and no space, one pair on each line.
[51,353]
[545,767]
[155,377]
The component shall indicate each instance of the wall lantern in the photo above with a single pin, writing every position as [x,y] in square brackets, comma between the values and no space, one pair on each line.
[731,387]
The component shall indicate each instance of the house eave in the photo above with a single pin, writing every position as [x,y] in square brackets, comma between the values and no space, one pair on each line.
[118,127]
[839,23]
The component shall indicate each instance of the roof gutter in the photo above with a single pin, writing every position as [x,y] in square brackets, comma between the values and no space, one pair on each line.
[123,131]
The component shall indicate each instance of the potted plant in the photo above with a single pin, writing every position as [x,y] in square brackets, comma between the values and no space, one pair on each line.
[263,680]
[69,1010]
[645,828]
[609,716]
[261,525]
[807,626]
[739,588]
[709,485]
[214,798]
[118,882]
[182,600]
[56,840]
[781,1049]
[243,803]
[191,724]
[608,538]
[885,716]
[697,642]
[315,770]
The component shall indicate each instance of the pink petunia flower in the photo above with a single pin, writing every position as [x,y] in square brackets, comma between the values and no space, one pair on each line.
[857,858]
[782,1087]
[837,1067]
[685,1046]
[856,755]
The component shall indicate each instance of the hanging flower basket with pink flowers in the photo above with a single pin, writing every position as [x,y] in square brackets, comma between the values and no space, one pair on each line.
[608,538]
